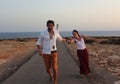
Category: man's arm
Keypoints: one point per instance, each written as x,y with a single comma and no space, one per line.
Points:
39,50
39,43
64,40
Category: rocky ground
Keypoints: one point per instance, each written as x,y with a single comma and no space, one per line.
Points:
106,56
13,53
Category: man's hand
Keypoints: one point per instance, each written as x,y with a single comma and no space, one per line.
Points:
64,40
40,52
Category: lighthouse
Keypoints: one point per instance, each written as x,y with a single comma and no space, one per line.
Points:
57,28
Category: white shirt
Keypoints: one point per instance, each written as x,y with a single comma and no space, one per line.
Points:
80,44
47,43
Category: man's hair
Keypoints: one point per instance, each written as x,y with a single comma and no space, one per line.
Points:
50,21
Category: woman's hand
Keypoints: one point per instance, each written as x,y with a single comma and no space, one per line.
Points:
68,41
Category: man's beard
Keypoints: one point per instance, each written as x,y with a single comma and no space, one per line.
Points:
50,29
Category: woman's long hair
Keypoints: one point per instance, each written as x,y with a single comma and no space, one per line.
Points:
76,32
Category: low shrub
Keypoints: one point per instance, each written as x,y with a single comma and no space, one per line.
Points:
22,40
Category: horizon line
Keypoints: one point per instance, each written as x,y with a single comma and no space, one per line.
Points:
59,31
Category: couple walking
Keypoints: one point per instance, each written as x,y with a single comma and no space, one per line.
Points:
46,45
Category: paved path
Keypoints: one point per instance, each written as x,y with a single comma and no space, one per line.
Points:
33,72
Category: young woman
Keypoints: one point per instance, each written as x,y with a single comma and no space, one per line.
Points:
81,53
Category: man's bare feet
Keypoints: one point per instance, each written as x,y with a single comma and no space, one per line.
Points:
55,79
51,77
55,82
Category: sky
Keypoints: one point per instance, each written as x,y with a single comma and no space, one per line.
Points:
83,15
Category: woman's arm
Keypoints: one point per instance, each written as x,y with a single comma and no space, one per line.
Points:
90,38
71,41
87,37
39,44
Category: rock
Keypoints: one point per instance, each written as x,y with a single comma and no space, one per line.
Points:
116,70
102,61
115,59
117,82
111,69
101,51
94,43
96,59
12,68
2,61
102,65
94,54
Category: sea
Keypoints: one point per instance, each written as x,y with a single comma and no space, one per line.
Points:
12,35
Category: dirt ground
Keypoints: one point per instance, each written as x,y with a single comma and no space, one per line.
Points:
13,53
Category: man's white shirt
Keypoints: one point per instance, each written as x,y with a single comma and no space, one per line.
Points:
48,45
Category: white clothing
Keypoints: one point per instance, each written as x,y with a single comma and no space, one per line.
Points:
80,44
48,44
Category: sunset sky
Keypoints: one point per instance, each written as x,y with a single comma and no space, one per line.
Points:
84,15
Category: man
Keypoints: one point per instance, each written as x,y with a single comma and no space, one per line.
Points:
46,45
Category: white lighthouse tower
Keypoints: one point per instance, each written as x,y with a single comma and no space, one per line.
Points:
57,28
